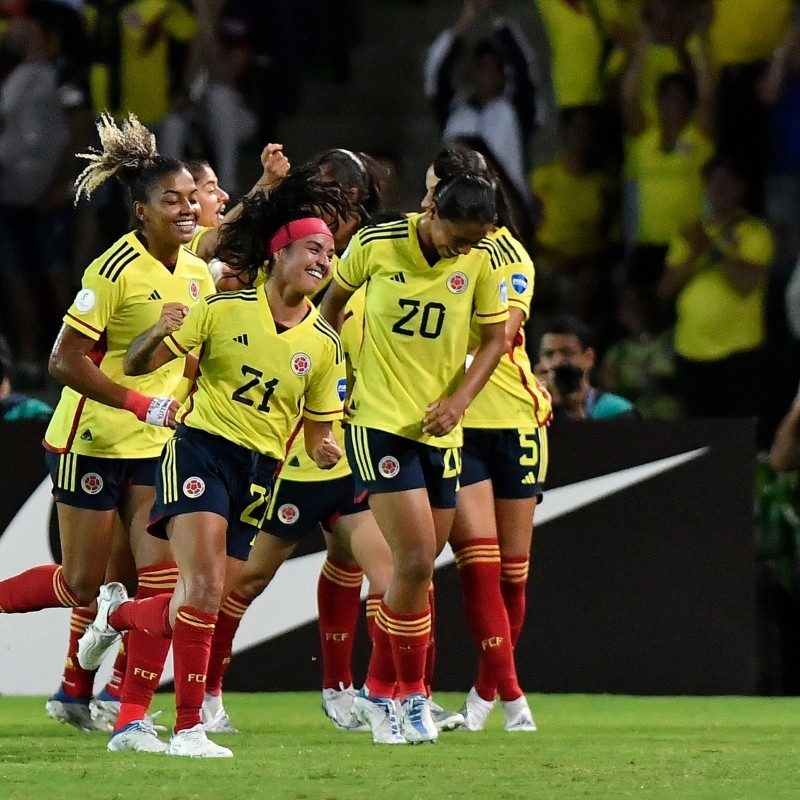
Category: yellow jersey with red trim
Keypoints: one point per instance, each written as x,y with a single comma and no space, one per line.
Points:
298,465
254,382
416,324
122,293
512,397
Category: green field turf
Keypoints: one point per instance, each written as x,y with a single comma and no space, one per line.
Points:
586,747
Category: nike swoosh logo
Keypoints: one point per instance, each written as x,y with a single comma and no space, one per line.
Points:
269,618
42,654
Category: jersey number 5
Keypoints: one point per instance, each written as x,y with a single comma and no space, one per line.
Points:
269,388
430,324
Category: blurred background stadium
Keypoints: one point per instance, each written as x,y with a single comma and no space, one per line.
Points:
615,108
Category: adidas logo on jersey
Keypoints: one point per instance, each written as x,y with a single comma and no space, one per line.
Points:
399,277
242,339
155,295
529,479
86,436
294,461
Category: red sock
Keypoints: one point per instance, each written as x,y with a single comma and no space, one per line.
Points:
478,562
430,655
146,652
338,603
114,685
228,620
76,681
408,634
191,647
373,603
35,589
150,615
381,674
513,583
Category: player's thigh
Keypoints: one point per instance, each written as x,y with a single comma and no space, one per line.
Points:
474,518
515,525
198,542
136,508
121,566
85,536
266,556
406,521
360,535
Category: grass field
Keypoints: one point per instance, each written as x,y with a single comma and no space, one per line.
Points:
586,747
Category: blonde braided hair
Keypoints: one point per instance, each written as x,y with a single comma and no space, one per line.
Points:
126,147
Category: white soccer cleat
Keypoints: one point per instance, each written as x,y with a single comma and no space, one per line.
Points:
475,711
100,636
70,711
379,714
518,715
193,743
105,710
140,736
416,722
445,720
214,717
338,707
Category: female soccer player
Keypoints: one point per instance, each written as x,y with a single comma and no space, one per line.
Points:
108,429
504,461
306,497
425,283
266,356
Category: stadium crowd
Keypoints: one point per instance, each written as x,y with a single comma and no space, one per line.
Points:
664,233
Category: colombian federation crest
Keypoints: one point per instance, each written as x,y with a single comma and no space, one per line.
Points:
457,282
92,483
301,363
194,487
388,466
288,513
194,290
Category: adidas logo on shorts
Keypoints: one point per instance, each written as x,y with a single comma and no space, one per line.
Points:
529,479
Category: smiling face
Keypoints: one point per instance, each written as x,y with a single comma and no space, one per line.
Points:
451,238
169,216
212,198
305,263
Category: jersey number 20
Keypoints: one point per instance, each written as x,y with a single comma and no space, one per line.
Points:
430,324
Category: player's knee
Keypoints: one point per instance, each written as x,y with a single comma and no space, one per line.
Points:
204,592
251,586
415,568
82,584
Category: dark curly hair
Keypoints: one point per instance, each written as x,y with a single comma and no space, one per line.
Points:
244,242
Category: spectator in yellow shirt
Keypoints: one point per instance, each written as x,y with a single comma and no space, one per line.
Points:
717,273
664,159
578,201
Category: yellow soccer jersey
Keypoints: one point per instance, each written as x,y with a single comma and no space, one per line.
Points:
512,397
199,232
416,324
254,383
122,294
298,466
714,319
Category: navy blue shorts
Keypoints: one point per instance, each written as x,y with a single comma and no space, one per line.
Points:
298,508
386,462
96,483
198,471
514,461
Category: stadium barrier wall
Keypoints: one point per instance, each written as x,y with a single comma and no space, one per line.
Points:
642,575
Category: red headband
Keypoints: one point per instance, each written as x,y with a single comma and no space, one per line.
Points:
297,229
